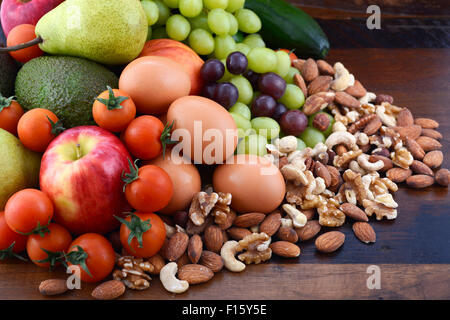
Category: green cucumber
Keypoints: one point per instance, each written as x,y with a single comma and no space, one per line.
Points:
286,26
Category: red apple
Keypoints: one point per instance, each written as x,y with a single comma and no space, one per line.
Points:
15,12
81,173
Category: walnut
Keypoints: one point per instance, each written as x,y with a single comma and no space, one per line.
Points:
256,247
402,158
354,181
222,212
133,272
330,215
379,209
201,206
341,161
295,194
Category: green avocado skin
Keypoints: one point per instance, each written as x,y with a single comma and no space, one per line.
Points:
107,31
65,85
8,72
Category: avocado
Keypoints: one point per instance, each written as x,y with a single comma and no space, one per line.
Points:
8,72
65,85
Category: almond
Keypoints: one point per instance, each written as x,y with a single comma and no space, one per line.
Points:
388,164
364,232
354,212
211,260
271,223
309,213
405,118
413,132
176,246
330,241
157,262
321,170
237,233
434,159
247,220
357,90
309,230
398,175
109,290
287,234
195,273
213,238
346,100
195,248
52,287
426,123
421,168
420,181
428,144
319,84
285,249
298,63
334,174
300,82
309,70
325,68
183,260
373,126
443,177
314,104
415,149
432,134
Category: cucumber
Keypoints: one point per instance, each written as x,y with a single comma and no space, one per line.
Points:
286,26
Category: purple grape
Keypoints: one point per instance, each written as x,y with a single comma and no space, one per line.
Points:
237,63
293,122
272,84
264,106
253,78
226,94
208,90
212,70
280,109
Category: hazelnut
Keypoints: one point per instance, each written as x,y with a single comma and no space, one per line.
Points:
321,121
442,177
384,98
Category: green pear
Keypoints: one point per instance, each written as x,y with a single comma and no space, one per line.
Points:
106,31
19,167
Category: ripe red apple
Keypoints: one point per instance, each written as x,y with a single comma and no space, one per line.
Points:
15,12
81,173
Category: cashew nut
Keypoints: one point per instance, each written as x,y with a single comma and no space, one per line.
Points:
298,218
339,127
170,281
363,161
387,120
293,173
342,78
361,138
229,249
340,137
354,165
287,144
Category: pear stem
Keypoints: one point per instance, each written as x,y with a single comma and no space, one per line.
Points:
28,44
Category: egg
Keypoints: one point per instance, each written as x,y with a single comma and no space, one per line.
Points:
154,83
185,178
207,130
255,184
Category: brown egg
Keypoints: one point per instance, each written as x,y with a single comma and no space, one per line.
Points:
154,83
185,178
206,129
255,183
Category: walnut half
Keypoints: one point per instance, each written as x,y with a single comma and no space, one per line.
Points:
133,272
256,247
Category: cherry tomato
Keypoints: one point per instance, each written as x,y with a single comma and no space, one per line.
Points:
28,211
10,113
291,54
55,242
148,188
94,255
146,137
113,110
37,128
150,227
21,34
11,243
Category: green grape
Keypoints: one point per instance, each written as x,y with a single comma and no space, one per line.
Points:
224,45
235,5
218,22
190,8
244,87
159,33
149,33
289,78
172,3
164,12
293,97
262,60
151,11
200,21
329,129
248,21
283,63
266,127
226,76
178,27
300,144
241,109
312,136
243,48
214,4
201,41
252,144
254,41
242,124
234,26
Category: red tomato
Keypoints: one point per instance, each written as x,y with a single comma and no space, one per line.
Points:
94,255
150,227
291,54
148,188
21,34
56,242
8,237
10,113
28,211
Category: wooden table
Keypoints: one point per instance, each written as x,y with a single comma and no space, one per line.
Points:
412,252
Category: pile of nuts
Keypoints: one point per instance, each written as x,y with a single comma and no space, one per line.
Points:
352,176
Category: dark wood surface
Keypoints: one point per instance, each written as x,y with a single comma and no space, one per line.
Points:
412,251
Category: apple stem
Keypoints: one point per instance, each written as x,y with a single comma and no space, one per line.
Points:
78,151
30,43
